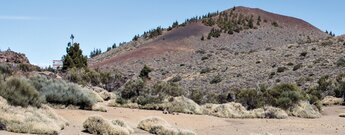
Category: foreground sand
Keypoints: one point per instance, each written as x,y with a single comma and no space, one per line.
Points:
328,124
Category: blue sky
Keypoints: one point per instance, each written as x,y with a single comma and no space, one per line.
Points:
41,28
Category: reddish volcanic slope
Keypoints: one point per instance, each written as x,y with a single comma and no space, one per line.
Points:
185,40
169,42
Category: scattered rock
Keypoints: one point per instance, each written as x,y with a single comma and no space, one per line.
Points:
13,57
342,115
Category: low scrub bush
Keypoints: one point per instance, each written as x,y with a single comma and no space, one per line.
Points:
281,69
216,79
251,98
19,92
133,88
167,89
298,66
275,24
98,125
159,126
30,120
197,96
27,67
108,80
284,95
61,92
341,62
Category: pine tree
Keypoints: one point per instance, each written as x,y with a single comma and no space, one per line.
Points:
108,49
114,45
175,24
202,38
74,56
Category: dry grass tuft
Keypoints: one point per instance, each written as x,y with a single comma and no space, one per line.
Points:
159,126
31,119
183,105
99,107
98,125
305,110
329,100
236,110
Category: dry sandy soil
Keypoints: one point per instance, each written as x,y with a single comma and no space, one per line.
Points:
330,123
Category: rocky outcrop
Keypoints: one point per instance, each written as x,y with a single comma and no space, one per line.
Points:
13,57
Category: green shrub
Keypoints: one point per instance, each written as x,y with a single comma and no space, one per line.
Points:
212,97
216,79
5,68
176,78
327,43
315,97
298,66
340,86
112,80
204,58
282,69
133,88
197,96
326,86
19,92
61,92
167,89
93,77
275,24
76,75
143,100
284,95
107,80
341,62
251,98
303,54
144,73
205,70
27,67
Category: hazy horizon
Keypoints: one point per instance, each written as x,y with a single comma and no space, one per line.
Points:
41,29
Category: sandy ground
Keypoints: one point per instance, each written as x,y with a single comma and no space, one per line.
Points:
328,124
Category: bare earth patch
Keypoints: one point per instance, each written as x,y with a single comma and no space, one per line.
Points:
329,124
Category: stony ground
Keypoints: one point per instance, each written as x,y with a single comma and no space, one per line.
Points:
328,124
243,59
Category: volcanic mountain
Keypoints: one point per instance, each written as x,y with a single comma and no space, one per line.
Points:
237,48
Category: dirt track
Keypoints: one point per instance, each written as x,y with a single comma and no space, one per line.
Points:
330,123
